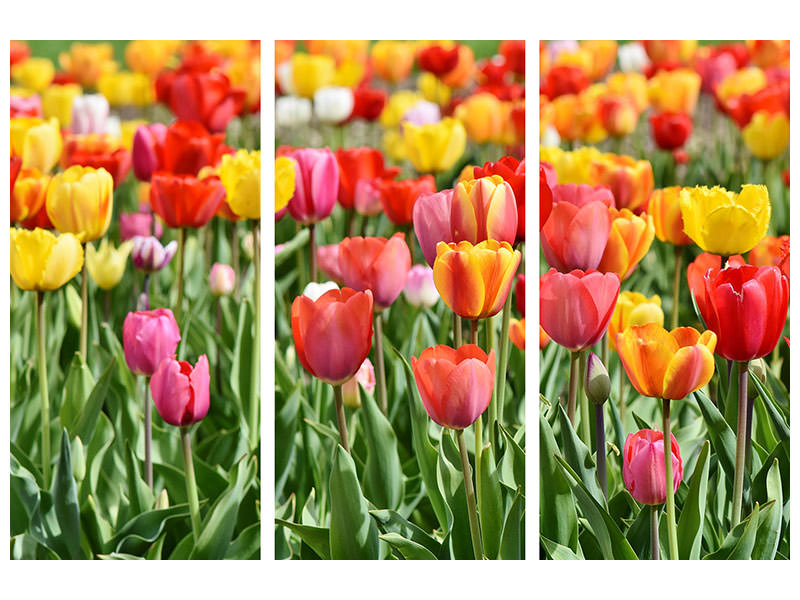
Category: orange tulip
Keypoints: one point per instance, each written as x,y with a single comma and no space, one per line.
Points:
462,74
768,252
667,364
665,208
633,308
630,180
544,339
674,91
29,194
474,281
628,242
516,333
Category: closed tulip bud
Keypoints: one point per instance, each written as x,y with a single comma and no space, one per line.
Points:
724,222
598,384
420,289
162,501
758,368
80,201
333,104
149,255
436,147
665,208
643,466
180,391
474,281
377,264
43,262
364,377
455,384
575,307
247,245
241,175
89,114
149,337
516,333
185,201
221,280
28,194
767,135
78,457
314,290
340,319
630,180
138,223
633,308
666,364
57,103
670,130
148,150
483,209
291,111
628,241
37,141
316,185
107,264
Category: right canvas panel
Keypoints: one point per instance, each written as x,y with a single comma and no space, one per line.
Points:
663,299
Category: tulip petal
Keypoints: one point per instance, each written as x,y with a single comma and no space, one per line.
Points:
690,369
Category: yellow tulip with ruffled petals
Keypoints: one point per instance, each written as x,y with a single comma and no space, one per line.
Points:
37,141
241,175
767,135
633,308
106,264
723,222
80,200
435,147
41,261
34,74
284,181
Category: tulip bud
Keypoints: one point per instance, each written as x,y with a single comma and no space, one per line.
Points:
73,307
162,501
314,290
247,245
106,264
148,144
78,460
598,384
643,466
149,255
759,370
221,280
365,376
420,289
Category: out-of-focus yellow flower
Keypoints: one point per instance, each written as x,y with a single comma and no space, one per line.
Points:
576,117
126,88
57,102
632,85
246,73
35,73
603,53
744,81
674,91
435,147
150,56
433,89
618,114
28,195
573,166
769,53
767,135
633,308
128,130
43,262
349,74
106,264
340,50
284,181
37,141
241,175
80,200
88,62
579,57
393,60
230,48
723,222
311,72
481,115
397,106
546,115
394,145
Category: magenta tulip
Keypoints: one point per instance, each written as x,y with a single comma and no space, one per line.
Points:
149,255
148,337
148,144
316,185
643,466
180,391
138,223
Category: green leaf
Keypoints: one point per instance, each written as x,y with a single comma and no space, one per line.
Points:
136,536
383,475
722,438
769,521
390,521
317,538
139,494
491,503
25,461
65,502
290,247
353,533
240,370
512,464
408,548
578,456
740,541
781,428
512,543
77,388
451,484
558,516
556,551
286,420
692,519
86,422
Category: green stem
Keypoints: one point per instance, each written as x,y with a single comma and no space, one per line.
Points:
604,348
255,356
191,484
181,257
84,310
586,427
43,393
478,425
741,445
457,339
312,250
235,258
601,448
500,381
470,492
380,373
148,434
671,530
676,286
621,377
654,508
489,325
572,399
341,423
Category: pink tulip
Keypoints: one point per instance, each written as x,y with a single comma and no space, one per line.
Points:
316,184
420,289
149,255
148,145
328,262
580,194
367,197
180,391
138,223
431,219
89,114
643,466
221,279
377,264
365,376
148,337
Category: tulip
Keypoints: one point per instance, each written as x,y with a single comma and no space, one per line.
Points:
633,308
642,472
99,152
768,53
28,194
140,223
670,130
629,240
399,104
127,89
474,281
148,338
149,56
241,175
364,377
34,73
376,264
184,201
311,72
37,141
674,91
770,250
291,111
316,185
221,280
208,98
149,255
87,62
544,339
513,173
284,181
435,147
483,209
42,262
148,150
422,113
106,265
420,289
547,181
724,222
399,197
438,59
333,104
431,218
328,259
665,208
462,74
80,201
767,136
480,114
563,80
356,164
630,180
89,114
368,103
632,57
57,102
367,197
314,290
519,290
392,59
618,115
516,333
699,267
188,147
713,67
575,166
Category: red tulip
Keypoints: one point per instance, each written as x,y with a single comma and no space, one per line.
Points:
576,233
97,152
643,466
455,385
333,335
188,147
205,97
514,53
746,307
180,391
513,173
670,130
398,197
183,200
328,262
438,59
699,267
148,337
565,79
376,264
356,164
547,181
575,307
368,103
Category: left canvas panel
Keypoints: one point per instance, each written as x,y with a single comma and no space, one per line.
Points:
134,326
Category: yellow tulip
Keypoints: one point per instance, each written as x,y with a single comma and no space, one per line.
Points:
34,74
433,89
241,175
674,91
80,201
43,262
393,145
284,181
57,102
107,264
435,147
744,81
481,115
349,74
632,85
88,62
767,135
399,103
573,166
149,56
392,59
723,222
246,73
126,89
311,72
633,308
37,141
128,130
